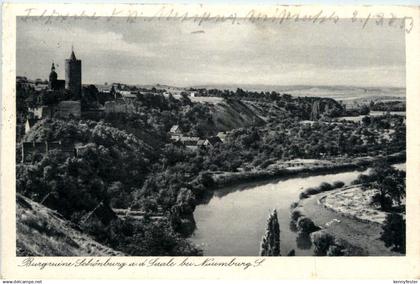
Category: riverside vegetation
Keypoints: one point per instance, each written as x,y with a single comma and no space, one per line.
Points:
129,160
389,188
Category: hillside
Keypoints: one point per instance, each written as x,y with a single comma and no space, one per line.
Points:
43,232
228,115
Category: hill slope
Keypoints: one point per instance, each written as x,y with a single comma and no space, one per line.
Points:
43,232
228,115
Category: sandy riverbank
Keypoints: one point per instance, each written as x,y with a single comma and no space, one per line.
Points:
354,202
364,235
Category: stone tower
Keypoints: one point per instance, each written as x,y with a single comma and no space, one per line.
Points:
74,74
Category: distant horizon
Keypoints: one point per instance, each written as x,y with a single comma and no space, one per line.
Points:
204,85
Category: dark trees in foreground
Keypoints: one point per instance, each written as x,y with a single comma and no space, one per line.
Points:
270,244
393,233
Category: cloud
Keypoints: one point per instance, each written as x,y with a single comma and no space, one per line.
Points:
174,53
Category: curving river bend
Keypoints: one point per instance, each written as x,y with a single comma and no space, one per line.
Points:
233,221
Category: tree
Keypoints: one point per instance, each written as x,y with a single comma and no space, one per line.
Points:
393,233
390,184
270,244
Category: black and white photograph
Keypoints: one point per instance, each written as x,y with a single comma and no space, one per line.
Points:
238,137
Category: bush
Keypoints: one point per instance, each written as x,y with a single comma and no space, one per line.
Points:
335,250
303,195
338,184
322,242
325,186
293,205
296,214
383,201
306,225
312,190
291,253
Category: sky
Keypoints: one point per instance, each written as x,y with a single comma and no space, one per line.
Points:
186,54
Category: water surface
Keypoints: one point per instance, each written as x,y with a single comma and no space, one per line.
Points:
234,220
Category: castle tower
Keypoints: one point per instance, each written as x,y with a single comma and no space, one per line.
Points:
52,83
73,70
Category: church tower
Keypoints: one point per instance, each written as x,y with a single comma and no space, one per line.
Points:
73,70
52,83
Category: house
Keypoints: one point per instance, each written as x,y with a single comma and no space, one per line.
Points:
222,136
175,129
101,212
200,143
40,112
30,122
127,95
64,109
212,141
69,109
189,141
175,132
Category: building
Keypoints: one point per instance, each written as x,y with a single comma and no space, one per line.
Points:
222,136
73,68
190,142
212,141
121,106
32,151
175,130
127,94
53,82
64,109
68,109
30,122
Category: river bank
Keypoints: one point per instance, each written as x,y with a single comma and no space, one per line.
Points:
362,234
330,166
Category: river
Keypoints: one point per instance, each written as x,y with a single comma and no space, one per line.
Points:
233,222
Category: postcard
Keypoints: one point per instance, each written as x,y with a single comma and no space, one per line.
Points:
210,142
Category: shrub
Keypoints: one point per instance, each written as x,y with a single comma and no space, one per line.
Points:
291,253
303,195
312,190
325,186
381,200
335,250
322,241
296,214
306,225
293,205
338,184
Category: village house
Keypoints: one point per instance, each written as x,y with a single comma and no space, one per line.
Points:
189,141
192,142
222,136
212,141
128,95
30,122
175,132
